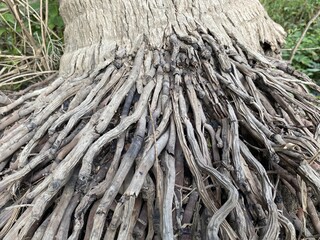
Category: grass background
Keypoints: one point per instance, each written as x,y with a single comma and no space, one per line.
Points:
31,41
31,38
294,15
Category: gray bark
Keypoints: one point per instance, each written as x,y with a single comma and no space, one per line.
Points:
95,28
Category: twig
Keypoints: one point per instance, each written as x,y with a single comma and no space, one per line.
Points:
303,35
302,49
15,12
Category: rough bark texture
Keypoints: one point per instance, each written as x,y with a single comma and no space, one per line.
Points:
169,120
94,29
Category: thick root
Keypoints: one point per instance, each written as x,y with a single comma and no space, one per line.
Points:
189,141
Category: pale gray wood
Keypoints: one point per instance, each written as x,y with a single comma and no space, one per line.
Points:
94,28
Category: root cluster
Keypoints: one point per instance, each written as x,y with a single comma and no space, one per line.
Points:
191,141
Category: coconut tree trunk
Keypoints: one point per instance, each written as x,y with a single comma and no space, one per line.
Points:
97,29
168,120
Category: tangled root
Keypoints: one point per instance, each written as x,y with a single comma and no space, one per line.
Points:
191,140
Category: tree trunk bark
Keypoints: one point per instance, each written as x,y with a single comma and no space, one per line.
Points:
169,120
95,29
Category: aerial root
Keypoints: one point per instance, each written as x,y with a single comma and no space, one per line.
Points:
190,140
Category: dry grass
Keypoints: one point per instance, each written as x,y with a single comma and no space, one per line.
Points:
31,49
